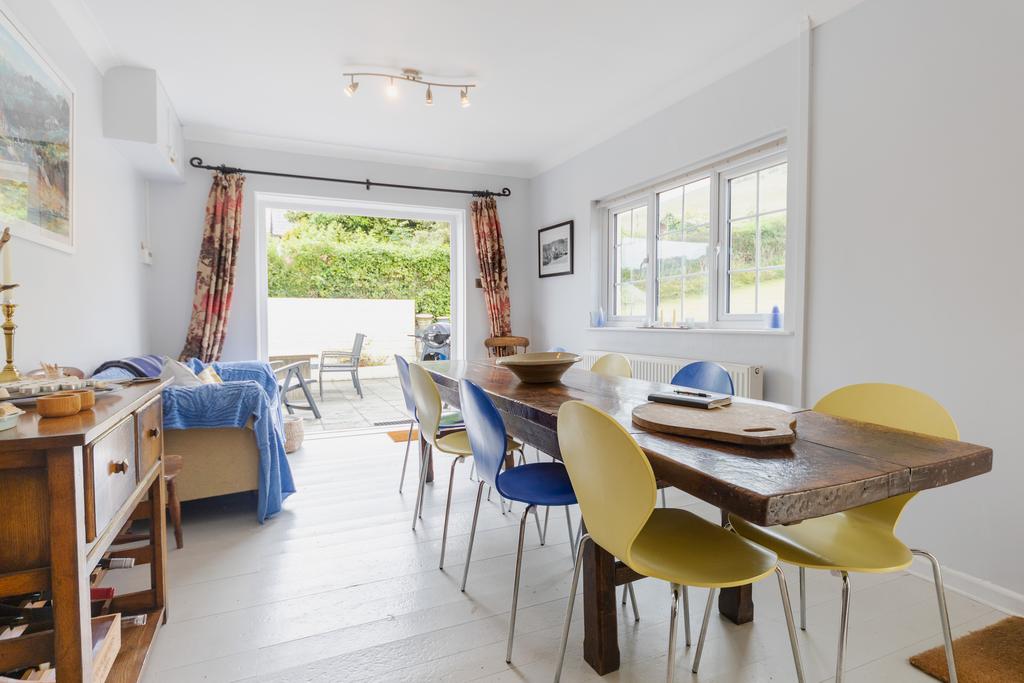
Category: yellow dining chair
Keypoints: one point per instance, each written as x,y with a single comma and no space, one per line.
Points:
617,365
612,365
428,414
616,490
862,539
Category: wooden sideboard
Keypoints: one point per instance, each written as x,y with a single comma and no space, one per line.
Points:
67,487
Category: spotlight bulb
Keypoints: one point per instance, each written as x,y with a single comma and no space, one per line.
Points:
351,88
392,89
430,97
464,97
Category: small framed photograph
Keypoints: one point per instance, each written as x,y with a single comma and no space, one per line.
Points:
554,250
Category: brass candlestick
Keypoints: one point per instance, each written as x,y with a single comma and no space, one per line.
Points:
9,373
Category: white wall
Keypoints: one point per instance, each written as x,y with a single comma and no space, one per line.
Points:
916,240
308,326
177,224
755,102
82,308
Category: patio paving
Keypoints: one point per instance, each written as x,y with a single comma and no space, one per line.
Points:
342,409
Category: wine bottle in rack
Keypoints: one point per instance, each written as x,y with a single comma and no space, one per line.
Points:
117,562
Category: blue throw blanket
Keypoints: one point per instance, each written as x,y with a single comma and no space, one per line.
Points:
249,391
136,366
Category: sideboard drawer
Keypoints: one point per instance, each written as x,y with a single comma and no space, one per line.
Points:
149,432
110,474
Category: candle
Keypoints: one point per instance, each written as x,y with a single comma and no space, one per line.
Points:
8,276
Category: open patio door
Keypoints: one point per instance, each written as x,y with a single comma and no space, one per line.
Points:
330,270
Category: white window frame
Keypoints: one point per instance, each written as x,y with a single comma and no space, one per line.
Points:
722,316
720,171
611,274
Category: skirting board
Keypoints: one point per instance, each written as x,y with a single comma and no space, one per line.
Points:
983,591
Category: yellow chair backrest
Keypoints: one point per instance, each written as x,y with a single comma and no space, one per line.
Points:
428,402
889,405
613,480
612,365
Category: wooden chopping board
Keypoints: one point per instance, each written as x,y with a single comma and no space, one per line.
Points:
740,423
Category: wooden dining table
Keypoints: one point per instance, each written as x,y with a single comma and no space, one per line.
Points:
835,464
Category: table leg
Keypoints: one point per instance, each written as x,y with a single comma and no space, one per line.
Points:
600,636
736,604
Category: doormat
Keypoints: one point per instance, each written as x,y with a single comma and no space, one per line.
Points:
403,435
990,655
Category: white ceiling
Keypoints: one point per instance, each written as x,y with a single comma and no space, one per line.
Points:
555,76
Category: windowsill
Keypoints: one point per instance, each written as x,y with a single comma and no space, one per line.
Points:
694,330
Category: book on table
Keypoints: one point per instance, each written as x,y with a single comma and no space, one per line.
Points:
691,398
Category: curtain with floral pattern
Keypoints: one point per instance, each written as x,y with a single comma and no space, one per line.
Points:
215,272
490,252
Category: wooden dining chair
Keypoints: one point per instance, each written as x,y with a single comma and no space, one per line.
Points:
862,539
498,347
617,490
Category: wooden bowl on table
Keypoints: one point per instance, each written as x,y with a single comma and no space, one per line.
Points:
59,405
542,367
87,396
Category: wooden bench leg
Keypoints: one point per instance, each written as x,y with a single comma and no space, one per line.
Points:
175,506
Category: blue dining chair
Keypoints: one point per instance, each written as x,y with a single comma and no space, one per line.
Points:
448,421
705,375
534,484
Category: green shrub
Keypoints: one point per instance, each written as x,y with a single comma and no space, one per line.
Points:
329,256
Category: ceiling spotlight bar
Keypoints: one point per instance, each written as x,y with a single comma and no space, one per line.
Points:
409,76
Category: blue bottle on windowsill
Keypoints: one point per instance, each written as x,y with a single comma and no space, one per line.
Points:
776,322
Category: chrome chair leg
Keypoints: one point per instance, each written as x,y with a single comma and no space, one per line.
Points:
673,618
664,502
419,489
408,442
632,599
803,599
686,614
844,628
788,609
427,458
704,629
472,535
572,536
568,610
544,536
940,594
448,509
472,471
515,585
536,517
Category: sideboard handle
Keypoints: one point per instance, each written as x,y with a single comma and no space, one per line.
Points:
154,432
119,467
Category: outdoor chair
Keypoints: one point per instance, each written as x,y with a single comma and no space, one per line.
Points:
290,377
342,361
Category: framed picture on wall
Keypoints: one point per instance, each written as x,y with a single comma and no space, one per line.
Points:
554,250
36,128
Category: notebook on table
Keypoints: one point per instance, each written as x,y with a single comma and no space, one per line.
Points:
692,398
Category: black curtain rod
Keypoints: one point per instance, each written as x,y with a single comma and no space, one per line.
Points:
197,162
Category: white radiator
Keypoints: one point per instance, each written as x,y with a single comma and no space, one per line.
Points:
748,380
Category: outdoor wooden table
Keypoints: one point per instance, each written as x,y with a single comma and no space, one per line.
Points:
834,465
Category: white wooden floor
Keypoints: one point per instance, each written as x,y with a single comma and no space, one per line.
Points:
338,588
